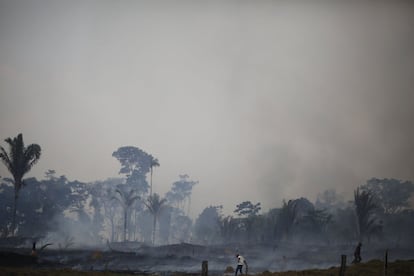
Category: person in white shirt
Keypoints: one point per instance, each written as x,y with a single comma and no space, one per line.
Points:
240,262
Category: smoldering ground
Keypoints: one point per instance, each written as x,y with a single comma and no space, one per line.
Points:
257,101
187,258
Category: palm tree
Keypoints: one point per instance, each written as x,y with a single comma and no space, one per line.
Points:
287,217
155,204
154,163
19,161
365,207
126,199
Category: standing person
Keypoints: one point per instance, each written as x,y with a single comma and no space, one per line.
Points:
34,252
240,262
357,254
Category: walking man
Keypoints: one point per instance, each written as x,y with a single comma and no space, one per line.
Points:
240,262
357,254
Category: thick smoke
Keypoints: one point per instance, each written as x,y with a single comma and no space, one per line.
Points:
270,100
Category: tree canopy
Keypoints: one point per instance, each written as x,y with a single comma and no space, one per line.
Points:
391,195
19,161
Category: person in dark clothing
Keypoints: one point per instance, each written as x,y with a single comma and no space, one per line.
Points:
357,254
34,252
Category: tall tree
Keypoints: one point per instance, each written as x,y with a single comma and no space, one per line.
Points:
155,204
316,222
135,164
286,218
19,160
126,199
246,208
154,163
6,189
391,195
180,191
364,207
249,211
229,227
207,225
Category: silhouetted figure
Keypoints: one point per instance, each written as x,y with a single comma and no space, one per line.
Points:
34,252
240,262
357,254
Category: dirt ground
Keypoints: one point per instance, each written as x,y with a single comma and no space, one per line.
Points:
186,259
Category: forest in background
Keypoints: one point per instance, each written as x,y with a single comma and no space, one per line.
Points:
70,213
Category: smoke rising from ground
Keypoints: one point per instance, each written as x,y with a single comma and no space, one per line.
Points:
256,101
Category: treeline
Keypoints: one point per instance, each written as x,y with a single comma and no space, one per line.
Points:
56,209
119,209
379,212
69,212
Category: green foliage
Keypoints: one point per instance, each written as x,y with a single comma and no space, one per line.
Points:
207,225
19,160
247,208
126,197
286,219
391,195
318,218
155,205
181,190
365,207
132,159
135,164
153,163
41,204
250,218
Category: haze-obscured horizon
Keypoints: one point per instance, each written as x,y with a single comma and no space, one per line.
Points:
259,101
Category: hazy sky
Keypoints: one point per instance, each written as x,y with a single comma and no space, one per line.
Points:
258,100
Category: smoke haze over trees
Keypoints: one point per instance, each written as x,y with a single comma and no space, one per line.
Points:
121,212
272,100
73,213
225,122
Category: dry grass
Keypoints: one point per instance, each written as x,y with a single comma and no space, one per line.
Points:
374,268
12,271
371,268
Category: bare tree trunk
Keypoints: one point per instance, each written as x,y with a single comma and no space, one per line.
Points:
189,206
112,230
135,225
153,229
125,223
13,226
151,183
